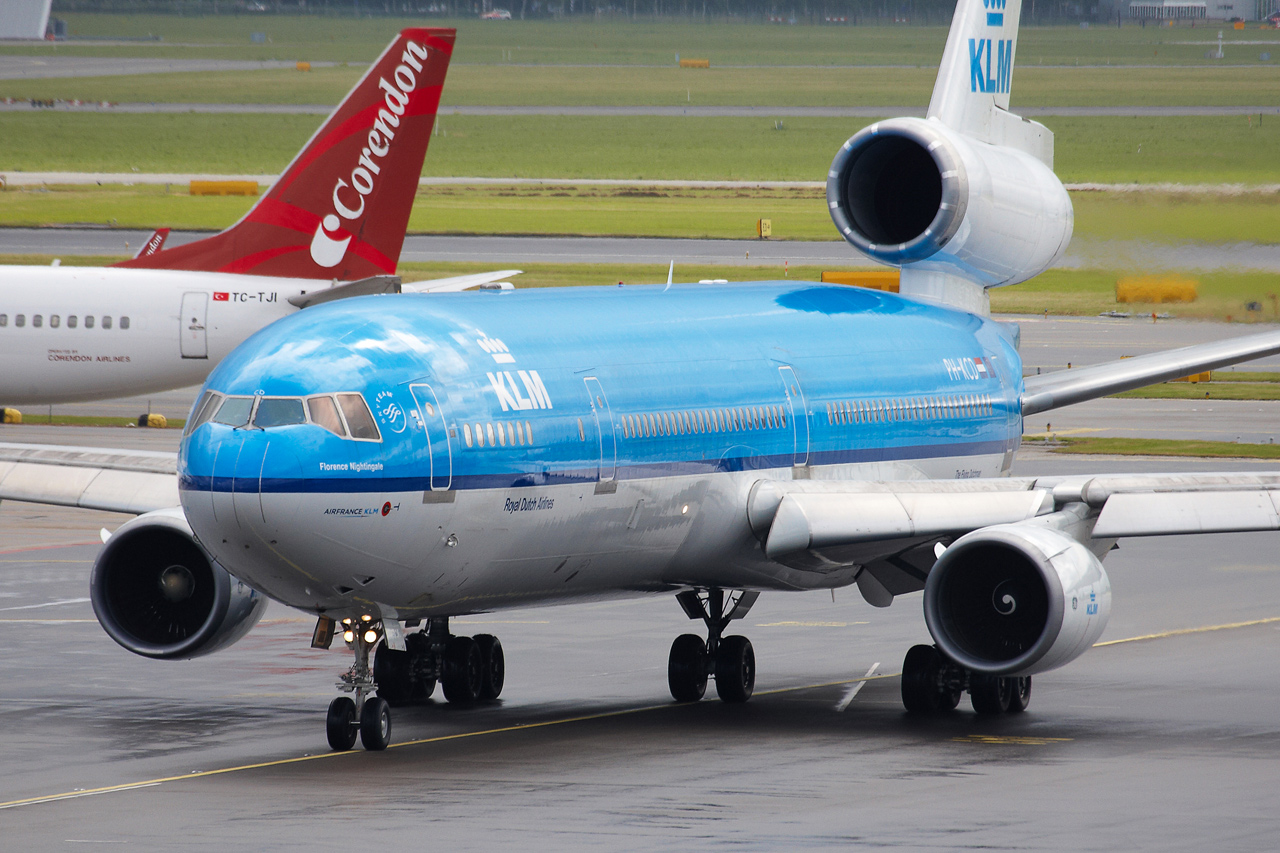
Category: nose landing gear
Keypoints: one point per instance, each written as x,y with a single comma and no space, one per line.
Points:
471,669
730,660
931,683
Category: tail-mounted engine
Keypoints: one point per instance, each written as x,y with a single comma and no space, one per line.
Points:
1016,599
159,594
908,190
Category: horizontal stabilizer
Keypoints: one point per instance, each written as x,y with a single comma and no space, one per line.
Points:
345,290
459,282
1064,387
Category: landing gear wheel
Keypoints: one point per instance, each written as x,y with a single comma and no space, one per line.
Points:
392,670
920,668
687,668
735,670
1020,694
493,666
340,724
421,686
375,724
990,694
463,671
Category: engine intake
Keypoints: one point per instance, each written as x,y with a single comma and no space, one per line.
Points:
909,190
158,594
1016,599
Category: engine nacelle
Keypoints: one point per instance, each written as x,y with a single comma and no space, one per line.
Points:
1016,599
908,190
159,594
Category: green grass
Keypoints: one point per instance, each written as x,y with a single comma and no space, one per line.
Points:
33,416
487,85
1106,149
1159,447
1222,295
620,41
1211,390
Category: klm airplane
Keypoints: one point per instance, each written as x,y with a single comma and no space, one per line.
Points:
389,462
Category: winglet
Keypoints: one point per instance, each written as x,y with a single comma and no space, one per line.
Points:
340,209
976,76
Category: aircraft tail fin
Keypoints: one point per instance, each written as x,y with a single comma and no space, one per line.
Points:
153,244
340,209
975,78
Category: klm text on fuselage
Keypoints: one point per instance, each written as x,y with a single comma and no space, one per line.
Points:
980,79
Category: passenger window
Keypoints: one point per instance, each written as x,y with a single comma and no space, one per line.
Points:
324,414
234,411
54,321
359,420
519,432
106,322
582,436
20,320
201,411
71,321
466,434
502,436
274,412
528,432
4,319
37,320
479,436
124,322
88,321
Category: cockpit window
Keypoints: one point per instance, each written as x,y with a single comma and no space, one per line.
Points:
202,410
234,411
278,411
324,413
359,419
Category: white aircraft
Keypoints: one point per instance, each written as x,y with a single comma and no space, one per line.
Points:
331,226
390,462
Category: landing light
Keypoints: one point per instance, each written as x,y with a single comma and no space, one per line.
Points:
348,636
346,621
370,636
684,510
366,618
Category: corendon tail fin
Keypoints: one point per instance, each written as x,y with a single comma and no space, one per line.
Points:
340,209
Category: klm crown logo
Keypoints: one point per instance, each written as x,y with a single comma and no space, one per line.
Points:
980,79
995,12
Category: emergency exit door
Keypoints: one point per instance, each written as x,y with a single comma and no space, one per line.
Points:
191,325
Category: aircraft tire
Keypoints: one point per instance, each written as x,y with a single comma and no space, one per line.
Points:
393,674
990,694
493,666
340,724
735,670
1020,694
687,668
920,694
375,724
463,671
421,685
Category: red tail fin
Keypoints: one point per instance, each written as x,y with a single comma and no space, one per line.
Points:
339,211
154,243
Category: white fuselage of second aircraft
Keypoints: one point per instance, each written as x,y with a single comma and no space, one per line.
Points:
91,333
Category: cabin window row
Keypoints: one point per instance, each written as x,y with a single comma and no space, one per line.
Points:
498,434
55,321
346,415
909,409
699,421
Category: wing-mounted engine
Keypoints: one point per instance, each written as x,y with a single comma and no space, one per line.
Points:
912,192
1016,599
158,593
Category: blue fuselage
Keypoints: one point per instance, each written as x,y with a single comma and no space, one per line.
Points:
540,445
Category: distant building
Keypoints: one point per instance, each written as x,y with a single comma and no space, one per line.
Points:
24,19
1161,10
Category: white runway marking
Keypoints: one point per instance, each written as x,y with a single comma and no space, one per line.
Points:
47,604
855,687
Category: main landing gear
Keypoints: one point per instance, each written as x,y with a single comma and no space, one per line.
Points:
470,669
931,683
730,660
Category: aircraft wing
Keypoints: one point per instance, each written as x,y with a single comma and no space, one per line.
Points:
132,481
458,282
894,528
1064,387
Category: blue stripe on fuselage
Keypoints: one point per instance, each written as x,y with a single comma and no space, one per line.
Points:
694,348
